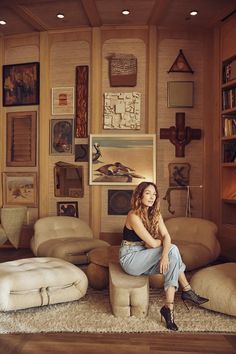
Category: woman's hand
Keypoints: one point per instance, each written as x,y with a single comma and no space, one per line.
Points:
164,263
158,243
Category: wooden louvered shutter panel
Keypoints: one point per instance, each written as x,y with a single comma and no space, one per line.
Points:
21,139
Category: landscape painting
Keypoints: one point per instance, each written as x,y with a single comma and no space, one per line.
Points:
122,159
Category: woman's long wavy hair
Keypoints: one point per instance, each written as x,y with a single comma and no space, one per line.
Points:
150,222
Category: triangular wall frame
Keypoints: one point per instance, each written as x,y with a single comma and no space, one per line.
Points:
181,64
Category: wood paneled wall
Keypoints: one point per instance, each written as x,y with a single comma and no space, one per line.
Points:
156,49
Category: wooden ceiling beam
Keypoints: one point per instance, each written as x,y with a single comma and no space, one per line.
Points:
28,17
159,11
92,13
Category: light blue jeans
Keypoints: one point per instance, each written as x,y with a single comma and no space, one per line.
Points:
139,260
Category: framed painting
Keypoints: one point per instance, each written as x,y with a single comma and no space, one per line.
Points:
119,201
67,209
20,188
21,84
179,174
68,180
122,159
63,100
180,94
61,136
21,138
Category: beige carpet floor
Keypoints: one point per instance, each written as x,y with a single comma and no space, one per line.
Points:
93,314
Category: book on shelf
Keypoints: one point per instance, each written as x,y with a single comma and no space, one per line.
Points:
229,71
230,152
229,127
229,98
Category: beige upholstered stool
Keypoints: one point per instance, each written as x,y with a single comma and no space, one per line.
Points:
42,281
129,295
218,284
97,270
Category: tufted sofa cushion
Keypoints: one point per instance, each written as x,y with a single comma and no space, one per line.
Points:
73,250
36,281
64,237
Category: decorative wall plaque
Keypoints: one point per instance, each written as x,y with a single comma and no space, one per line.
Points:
123,70
122,110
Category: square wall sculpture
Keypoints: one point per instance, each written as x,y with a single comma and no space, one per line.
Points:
122,110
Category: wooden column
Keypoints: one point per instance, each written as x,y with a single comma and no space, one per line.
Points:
44,115
152,79
96,113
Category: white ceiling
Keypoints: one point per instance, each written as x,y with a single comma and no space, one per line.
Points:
24,16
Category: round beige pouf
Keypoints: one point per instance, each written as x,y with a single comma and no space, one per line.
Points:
97,270
218,284
156,281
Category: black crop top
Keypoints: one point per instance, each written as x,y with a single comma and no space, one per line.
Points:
130,235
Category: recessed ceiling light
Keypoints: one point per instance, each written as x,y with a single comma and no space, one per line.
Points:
125,12
60,15
2,22
193,13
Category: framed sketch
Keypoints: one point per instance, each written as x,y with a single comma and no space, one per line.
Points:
20,188
21,84
122,159
67,209
180,94
63,100
179,174
21,138
61,136
119,201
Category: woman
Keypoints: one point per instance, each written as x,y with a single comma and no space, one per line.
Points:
146,249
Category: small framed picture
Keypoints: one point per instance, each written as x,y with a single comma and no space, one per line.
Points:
21,84
180,94
20,188
61,136
63,100
179,174
67,209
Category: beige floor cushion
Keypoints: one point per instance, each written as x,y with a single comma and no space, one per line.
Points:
41,281
218,284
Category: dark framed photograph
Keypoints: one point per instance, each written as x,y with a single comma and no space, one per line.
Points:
61,131
21,84
67,209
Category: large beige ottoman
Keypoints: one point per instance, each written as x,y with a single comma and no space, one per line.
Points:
42,281
218,284
129,295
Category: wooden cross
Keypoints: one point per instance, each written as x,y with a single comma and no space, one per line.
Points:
180,135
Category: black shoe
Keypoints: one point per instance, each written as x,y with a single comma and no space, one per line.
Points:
190,295
168,315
